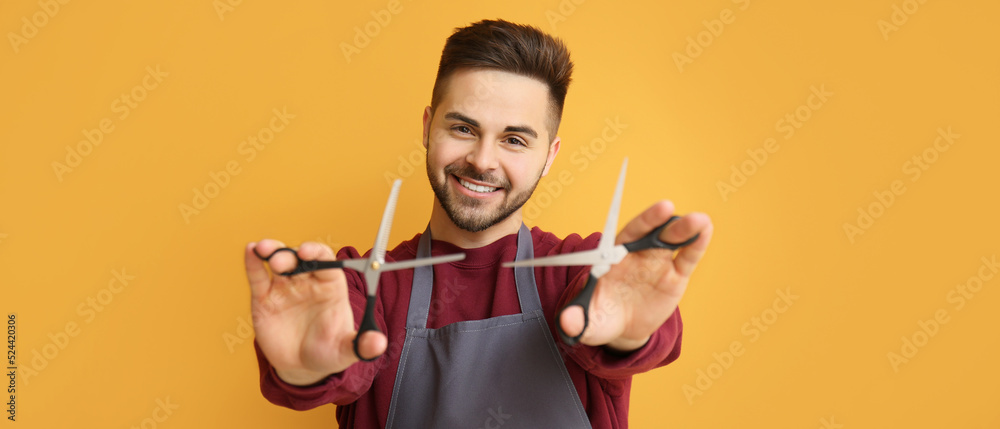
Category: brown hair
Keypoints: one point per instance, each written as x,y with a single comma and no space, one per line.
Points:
509,47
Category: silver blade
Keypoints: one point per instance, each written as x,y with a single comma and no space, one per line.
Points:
373,264
611,224
382,238
358,265
371,279
419,262
583,257
607,243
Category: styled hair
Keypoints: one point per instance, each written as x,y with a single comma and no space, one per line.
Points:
509,47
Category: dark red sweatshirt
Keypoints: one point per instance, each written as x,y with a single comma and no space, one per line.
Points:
471,289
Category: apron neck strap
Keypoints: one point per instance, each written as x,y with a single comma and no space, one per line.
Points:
423,280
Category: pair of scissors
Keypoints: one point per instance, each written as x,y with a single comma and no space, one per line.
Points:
603,257
371,267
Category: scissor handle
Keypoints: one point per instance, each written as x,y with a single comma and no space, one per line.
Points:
583,300
652,240
302,265
367,324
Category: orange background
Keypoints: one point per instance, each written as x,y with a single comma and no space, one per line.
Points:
173,334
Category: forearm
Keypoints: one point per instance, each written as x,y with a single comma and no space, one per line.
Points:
661,348
341,388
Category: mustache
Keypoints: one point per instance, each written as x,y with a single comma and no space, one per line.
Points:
466,170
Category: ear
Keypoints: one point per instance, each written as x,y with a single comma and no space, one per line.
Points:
428,115
551,156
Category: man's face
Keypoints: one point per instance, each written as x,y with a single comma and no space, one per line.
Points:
488,144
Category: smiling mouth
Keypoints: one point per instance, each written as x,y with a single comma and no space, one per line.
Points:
474,187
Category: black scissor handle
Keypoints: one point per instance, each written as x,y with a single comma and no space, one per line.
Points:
652,240
367,324
583,300
301,265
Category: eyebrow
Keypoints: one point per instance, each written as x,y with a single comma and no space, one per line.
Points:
510,128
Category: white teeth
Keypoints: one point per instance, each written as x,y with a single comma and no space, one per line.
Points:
476,188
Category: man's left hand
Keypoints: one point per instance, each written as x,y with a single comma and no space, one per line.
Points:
639,293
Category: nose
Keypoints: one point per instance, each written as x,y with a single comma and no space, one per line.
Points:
483,156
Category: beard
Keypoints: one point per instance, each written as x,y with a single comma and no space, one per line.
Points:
471,214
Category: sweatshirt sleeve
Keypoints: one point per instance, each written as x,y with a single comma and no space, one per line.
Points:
341,388
663,347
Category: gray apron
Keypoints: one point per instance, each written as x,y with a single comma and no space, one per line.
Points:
499,372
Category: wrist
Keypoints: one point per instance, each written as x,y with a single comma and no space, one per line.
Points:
626,345
300,378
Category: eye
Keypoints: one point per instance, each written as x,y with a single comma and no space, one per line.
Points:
515,141
462,129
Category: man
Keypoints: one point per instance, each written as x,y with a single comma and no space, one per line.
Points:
469,343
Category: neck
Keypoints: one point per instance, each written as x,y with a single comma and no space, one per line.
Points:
442,228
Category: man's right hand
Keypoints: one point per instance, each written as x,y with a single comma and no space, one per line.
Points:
304,323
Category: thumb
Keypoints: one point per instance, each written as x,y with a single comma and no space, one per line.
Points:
257,275
371,344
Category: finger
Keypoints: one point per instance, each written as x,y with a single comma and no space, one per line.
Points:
313,251
683,229
279,262
257,275
687,258
641,225
571,320
371,344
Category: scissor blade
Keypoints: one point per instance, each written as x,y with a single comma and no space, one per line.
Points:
583,257
382,238
358,265
611,224
371,280
419,262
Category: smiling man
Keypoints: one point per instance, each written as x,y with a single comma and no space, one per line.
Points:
468,343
